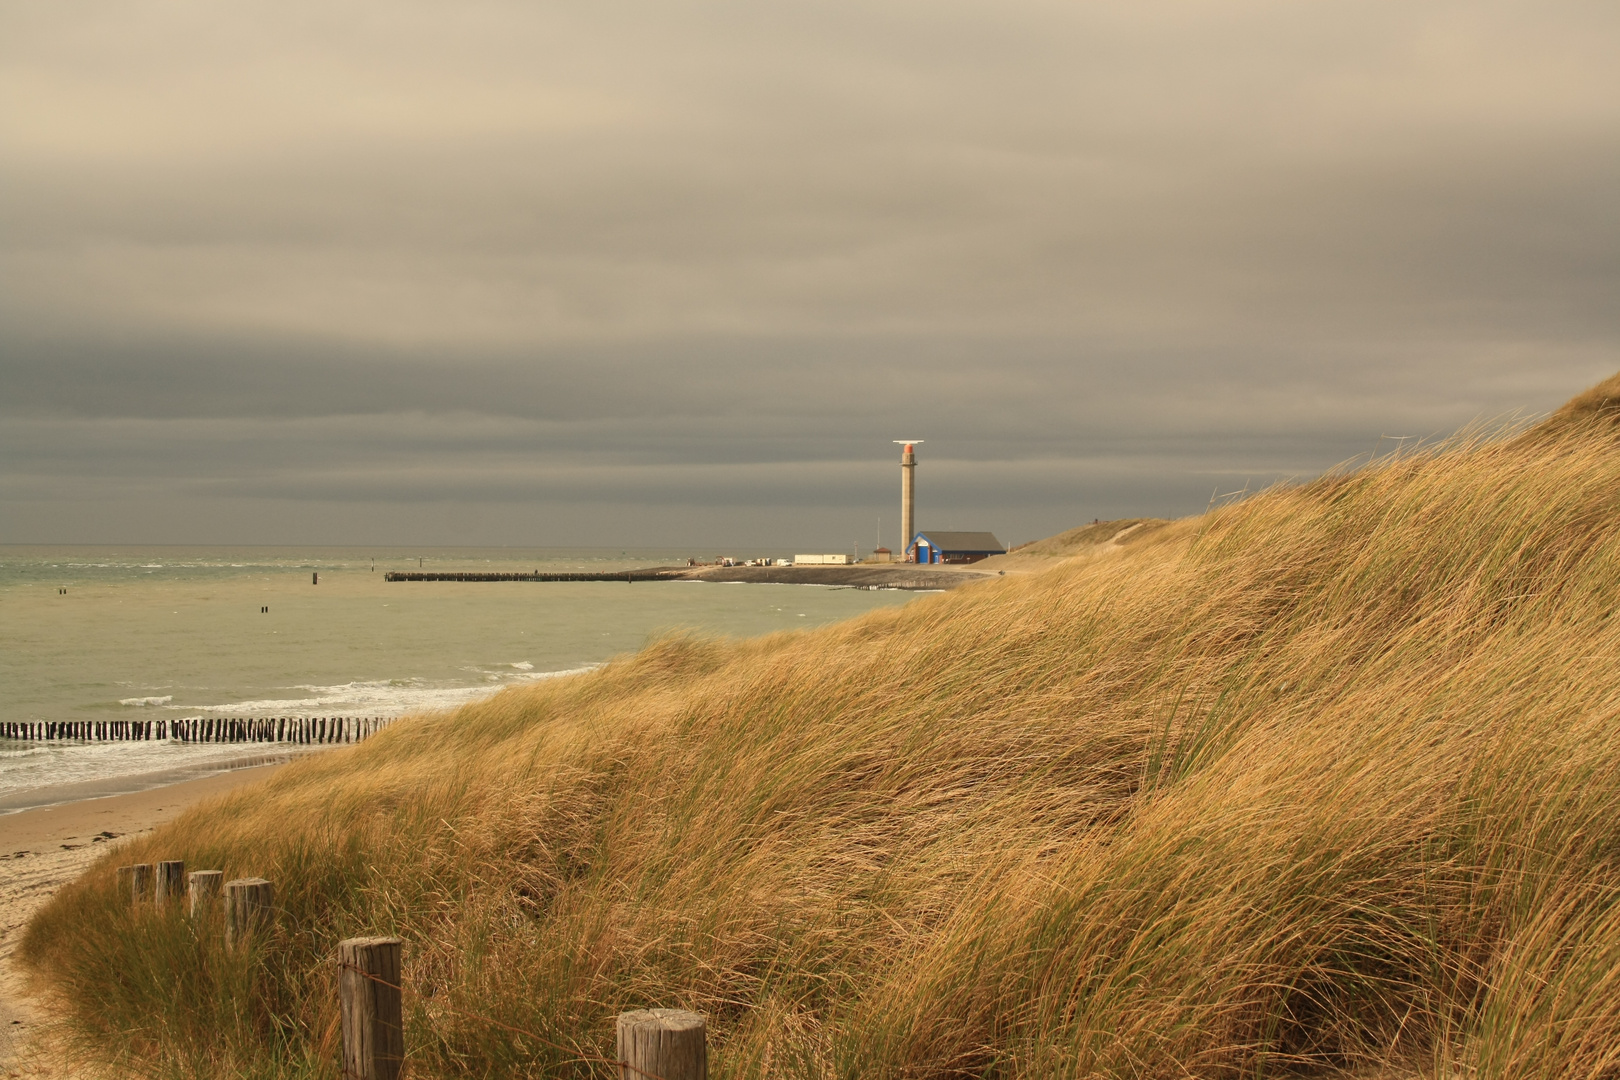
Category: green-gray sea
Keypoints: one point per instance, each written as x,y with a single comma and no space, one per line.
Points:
95,633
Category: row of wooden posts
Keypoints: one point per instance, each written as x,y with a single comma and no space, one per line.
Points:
249,902
652,1044
311,730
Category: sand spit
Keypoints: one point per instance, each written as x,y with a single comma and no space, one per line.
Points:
859,576
901,576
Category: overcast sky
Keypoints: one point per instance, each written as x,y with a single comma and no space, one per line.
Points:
650,272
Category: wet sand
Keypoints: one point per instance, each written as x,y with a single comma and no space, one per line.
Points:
42,849
56,795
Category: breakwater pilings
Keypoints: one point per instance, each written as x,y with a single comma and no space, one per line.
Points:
300,730
657,573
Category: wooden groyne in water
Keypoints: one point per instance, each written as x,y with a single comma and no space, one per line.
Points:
302,730
657,573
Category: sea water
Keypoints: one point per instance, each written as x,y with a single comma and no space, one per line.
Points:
173,633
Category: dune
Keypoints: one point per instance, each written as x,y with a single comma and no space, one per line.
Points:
1322,783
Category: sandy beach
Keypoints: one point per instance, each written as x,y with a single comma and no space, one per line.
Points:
40,850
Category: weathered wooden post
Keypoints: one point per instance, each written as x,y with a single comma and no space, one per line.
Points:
171,881
668,1043
373,1019
249,908
140,883
204,887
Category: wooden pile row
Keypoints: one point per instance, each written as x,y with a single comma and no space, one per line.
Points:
306,730
657,573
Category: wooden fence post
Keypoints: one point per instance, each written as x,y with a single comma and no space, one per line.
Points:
667,1043
140,882
171,881
373,1019
249,907
204,887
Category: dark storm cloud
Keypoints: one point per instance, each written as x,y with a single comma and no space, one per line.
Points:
683,269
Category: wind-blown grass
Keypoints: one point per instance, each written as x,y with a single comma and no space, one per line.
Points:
1324,782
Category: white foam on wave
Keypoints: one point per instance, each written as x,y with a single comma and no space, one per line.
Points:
375,698
140,702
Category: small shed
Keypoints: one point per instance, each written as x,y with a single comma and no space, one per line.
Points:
954,547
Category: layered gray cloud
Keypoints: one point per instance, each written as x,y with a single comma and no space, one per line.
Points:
671,273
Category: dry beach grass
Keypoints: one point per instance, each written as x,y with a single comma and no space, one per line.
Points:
1326,782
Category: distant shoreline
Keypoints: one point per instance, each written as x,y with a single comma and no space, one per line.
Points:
867,576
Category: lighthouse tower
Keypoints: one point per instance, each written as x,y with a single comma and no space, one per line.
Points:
908,496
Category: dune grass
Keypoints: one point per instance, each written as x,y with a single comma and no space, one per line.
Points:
1079,540
1326,782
